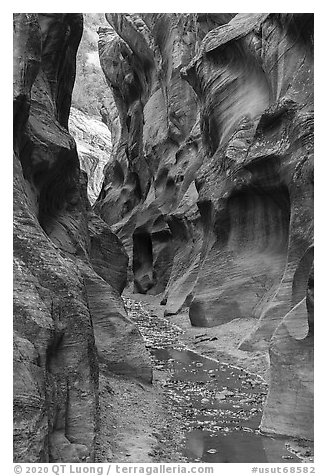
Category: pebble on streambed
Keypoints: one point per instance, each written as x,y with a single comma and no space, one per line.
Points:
195,387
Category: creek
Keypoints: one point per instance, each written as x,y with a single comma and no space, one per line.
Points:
218,405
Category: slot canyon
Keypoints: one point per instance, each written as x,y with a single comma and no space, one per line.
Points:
163,240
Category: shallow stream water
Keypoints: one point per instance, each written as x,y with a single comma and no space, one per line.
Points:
219,406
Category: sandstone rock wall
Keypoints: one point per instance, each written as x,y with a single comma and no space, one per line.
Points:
69,268
210,186
93,141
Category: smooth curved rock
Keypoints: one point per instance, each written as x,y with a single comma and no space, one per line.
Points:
211,182
149,184
93,142
58,244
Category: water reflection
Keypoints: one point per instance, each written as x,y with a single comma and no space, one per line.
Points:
221,406
218,406
236,447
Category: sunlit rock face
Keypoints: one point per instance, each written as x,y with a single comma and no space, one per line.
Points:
210,186
63,256
93,143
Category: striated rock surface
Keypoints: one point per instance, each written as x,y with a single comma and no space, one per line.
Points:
210,186
93,142
63,256
149,185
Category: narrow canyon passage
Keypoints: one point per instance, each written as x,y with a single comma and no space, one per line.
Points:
217,405
163,237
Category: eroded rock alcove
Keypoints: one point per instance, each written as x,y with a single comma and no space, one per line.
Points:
207,201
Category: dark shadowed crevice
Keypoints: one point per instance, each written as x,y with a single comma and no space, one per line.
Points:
178,228
118,174
206,211
142,261
310,300
59,189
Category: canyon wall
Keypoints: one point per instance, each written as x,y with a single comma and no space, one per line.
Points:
210,185
69,268
93,143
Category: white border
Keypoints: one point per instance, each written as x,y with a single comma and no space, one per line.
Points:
320,186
